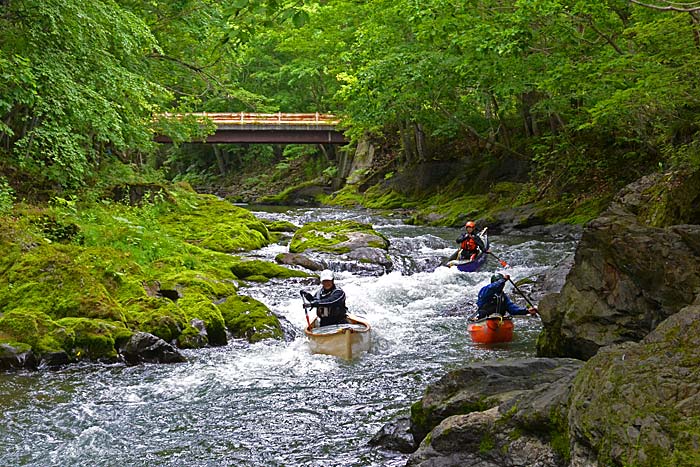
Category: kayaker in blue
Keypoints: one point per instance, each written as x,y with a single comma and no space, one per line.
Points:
329,301
492,299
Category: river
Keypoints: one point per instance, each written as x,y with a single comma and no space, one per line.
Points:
274,403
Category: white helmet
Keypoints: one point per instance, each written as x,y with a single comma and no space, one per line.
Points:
326,275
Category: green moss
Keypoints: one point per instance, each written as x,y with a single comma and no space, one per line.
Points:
346,196
114,269
487,443
559,436
15,348
389,199
217,225
186,281
280,226
200,307
329,236
33,328
248,318
284,196
49,279
158,316
94,338
261,271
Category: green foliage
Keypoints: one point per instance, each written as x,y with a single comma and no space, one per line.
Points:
6,197
73,86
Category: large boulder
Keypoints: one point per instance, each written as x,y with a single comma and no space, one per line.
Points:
496,413
639,403
635,266
484,385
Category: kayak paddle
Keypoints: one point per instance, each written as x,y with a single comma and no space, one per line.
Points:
503,263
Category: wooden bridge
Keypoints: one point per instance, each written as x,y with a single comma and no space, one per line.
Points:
277,128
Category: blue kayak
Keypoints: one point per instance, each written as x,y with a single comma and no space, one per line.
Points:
475,264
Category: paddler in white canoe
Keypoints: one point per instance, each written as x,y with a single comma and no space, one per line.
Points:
334,331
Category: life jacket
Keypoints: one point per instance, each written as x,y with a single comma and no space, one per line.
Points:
469,244
495,305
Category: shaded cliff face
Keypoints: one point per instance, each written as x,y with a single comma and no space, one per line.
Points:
636,265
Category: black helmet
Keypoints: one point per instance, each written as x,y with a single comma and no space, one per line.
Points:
496,277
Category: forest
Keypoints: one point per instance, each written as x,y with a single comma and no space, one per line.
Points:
586,95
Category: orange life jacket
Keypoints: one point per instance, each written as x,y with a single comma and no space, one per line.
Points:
469,244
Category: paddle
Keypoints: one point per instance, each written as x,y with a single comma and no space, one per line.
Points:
522,293
303,299
503,263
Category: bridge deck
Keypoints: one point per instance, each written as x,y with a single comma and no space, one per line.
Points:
275,128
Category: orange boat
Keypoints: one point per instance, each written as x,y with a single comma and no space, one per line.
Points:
491,330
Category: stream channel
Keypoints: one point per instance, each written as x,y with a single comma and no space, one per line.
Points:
274,403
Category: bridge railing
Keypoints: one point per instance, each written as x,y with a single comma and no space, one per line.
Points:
251,118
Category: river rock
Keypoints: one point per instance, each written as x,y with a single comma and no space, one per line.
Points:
18,356
298,259
639,403
143,347
495,414
369,255
636,265
484,385
479,439
395,436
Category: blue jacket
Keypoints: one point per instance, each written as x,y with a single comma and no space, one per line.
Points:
492,300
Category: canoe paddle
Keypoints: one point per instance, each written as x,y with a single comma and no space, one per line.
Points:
503,263
303,299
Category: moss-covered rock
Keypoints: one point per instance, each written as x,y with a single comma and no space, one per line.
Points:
200,307
35,329
217,225
187,281
95,339
339,236
637,403
627,276
50,279
250,319
280,226
156,315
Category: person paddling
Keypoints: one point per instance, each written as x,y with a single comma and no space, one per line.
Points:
470,243
492,299
329,301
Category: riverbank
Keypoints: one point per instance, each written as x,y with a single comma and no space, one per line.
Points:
81,278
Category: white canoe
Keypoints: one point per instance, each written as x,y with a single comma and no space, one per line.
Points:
341,340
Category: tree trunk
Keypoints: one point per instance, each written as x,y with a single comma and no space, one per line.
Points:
220,160
408,142
421,150
527,101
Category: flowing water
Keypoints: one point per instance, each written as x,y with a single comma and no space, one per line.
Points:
275,403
